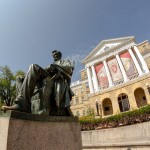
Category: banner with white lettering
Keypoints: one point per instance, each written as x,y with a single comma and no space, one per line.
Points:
128,64
101,75
114,70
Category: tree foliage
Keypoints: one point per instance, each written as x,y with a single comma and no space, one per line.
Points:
90,112
7,85
19,72
123,119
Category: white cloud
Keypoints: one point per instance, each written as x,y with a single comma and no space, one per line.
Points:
77,58
81,55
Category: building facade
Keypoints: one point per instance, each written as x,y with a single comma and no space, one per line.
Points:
116,78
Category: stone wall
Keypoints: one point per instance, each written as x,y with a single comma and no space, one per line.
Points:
22,131
134,137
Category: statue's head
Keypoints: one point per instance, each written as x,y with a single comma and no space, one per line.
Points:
56,55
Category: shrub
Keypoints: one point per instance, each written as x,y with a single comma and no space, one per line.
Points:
122,119
90,112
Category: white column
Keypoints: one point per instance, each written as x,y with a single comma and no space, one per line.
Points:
108,74
144,65
122,68
135,62
95,82
90,80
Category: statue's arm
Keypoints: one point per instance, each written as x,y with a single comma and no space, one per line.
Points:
65,68
51,69
68,66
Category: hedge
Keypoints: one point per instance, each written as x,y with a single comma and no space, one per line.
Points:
122,119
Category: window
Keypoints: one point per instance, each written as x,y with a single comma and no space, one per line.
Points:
82,98
87,85
144,98
85,75
123,102
77,101
106,108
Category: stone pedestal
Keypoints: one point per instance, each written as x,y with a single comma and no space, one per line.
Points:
22,131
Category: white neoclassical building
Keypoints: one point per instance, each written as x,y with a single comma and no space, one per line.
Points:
114,62
116,71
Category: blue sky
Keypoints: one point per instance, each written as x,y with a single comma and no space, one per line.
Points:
31,29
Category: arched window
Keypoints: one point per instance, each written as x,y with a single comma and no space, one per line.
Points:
107,107
123,102
140,97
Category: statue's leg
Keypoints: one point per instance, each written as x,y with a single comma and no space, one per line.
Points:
46,95
23,101
33,76
19,81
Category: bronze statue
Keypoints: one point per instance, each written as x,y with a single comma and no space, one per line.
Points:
54,81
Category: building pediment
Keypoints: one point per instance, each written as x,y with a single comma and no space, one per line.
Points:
107,45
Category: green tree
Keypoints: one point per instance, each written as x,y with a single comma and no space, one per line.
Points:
7,85
90,112
19,72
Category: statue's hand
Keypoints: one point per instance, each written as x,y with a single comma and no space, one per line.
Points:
52,65
53,69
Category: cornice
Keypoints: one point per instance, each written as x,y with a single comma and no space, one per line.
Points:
76,83
146,55
82,70
102,43
111,52
142,42
76,86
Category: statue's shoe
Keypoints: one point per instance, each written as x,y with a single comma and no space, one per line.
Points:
43,112
14,107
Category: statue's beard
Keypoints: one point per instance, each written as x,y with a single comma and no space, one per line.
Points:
56,59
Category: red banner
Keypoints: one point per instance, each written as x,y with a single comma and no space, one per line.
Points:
128,64
114,70
101,75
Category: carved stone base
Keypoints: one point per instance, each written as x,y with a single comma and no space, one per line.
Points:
38,132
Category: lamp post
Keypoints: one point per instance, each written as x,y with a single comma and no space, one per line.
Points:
148,87
97,107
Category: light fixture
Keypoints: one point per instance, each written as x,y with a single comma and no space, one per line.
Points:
97,107
148,87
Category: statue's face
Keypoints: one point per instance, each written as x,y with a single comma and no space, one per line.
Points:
56,56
